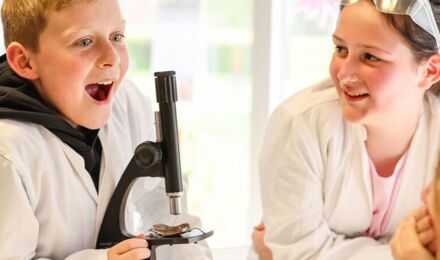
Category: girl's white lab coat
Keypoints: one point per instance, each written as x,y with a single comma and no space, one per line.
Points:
316,186
49,208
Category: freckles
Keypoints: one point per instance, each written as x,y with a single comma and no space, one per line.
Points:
125,61
76,70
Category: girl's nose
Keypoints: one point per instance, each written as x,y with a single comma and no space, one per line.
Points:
349,78
348,72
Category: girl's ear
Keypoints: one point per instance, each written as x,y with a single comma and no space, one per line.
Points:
432,73
20,60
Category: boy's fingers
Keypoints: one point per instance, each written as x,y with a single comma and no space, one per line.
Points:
432,247
129,244
141,236
408,227
408,235
419,213
137,254
427,236
424,224
406,243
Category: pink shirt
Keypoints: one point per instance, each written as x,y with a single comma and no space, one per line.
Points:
384,195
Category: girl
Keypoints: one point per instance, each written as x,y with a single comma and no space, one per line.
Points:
343,161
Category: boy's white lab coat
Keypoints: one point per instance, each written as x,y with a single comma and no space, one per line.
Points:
49,208
316,186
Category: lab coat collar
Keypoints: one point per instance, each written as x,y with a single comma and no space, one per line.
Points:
421,161
77,163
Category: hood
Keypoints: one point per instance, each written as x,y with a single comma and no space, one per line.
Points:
19,100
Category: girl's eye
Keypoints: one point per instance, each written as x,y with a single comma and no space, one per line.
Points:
84,42
370,57
117,37
341,51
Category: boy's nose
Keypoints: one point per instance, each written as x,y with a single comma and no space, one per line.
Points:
109,56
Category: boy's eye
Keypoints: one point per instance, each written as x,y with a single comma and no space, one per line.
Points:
117,37
84,42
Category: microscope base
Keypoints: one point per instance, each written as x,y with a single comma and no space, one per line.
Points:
192,236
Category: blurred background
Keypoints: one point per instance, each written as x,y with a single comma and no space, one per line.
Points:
235,61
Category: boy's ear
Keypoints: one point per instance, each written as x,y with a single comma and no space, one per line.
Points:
20,60
432,73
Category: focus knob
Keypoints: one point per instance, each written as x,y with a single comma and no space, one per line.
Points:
147,154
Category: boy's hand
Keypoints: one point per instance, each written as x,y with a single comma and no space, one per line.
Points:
432,246
130,249
425,228
406,242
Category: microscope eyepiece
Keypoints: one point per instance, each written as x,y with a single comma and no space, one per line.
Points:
166,90
166,94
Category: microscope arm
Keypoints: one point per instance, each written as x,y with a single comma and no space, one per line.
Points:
113,225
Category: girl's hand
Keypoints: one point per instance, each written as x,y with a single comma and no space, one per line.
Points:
406,243
130,249
260,248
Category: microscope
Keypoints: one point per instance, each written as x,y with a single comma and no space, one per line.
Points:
153,159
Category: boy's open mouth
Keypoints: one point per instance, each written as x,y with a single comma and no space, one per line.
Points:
99,91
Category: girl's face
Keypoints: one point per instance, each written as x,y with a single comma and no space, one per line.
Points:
374,71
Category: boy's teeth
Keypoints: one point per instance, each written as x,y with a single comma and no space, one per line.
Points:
105,83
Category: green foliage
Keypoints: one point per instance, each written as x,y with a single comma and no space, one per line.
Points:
236,13
140,50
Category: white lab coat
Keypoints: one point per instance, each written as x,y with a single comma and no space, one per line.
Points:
49,208
316,185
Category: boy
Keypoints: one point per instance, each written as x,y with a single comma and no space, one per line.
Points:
69,125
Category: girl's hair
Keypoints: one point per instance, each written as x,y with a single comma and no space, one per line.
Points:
421,43
24,20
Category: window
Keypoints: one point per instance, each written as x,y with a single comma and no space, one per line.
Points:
311,23
208,43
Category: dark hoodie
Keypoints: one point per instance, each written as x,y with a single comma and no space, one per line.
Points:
19,100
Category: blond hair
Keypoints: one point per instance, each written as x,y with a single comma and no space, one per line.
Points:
24,20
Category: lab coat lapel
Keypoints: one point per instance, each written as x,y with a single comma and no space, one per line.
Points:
350,193
362,192
418,170
361,133
107,178
111,170
77,163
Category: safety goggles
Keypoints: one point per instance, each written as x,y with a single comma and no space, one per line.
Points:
420,12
